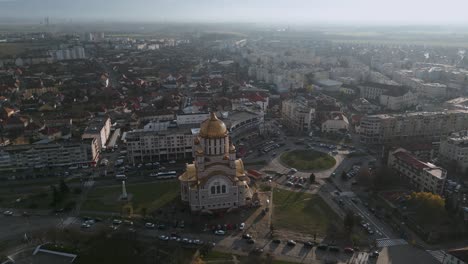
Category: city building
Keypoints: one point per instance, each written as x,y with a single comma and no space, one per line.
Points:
98,128
297,114
160,141
336,122
453,150
243,124
423,176
216,180
49,154
410,127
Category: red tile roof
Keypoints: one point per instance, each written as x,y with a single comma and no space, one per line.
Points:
410,160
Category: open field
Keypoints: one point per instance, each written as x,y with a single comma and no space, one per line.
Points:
307,160
144,195
301,212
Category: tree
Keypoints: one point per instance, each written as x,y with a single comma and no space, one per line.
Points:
55,196
63,187
429,208
344,176
143,212
349,221
312,178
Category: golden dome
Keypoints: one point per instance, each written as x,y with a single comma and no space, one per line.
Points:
213,127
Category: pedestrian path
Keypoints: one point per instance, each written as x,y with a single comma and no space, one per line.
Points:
437,254
386,242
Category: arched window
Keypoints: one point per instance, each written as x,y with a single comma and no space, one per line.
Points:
218,189
213,190
223,188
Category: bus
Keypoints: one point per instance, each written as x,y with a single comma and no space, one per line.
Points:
166,175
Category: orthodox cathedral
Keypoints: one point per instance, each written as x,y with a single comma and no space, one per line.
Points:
216,180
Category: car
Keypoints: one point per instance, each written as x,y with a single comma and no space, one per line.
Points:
185,240
116,222
8,213
276,241
370,231
182,224
85,225
374,254
322,246
247,236
291,243
172,162
250,241
220,232
292,170
334,249
197,242
258,250
163,238
149,225
309,244
288,183
25,214
298,185
348,250
242,226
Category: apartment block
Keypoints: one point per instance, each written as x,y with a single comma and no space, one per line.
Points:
297,114
410,127
423,176
51,154
454,150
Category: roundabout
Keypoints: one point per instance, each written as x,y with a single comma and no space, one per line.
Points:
307,160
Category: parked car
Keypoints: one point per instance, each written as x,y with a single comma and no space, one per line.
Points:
334,249
163,238
309,244
247,236
348,250
291,243
242,226
322,246
8,213
149,225
276,241
251,241
220,232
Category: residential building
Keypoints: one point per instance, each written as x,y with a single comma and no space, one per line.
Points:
297,114
410,127
336,122
243,124
49,154
364,106
216,180
160,142
98,128
398,100
423,176
453,150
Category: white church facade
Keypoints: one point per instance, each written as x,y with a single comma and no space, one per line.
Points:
216,180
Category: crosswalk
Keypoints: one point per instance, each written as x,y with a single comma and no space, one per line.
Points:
437,254
386,242
359,258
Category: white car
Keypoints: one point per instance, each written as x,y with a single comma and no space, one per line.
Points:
220,232
163,238
149,225
242,226
116,222
8,213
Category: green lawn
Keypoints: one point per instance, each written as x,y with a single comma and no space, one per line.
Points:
301,212
144,195
307,160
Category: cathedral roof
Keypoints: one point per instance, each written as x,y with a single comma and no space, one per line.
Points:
213,127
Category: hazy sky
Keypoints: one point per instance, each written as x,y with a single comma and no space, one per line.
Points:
440,12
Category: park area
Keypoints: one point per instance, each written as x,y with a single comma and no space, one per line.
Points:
149,196
302,212
307,160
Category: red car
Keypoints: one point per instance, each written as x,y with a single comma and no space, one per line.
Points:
349,250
